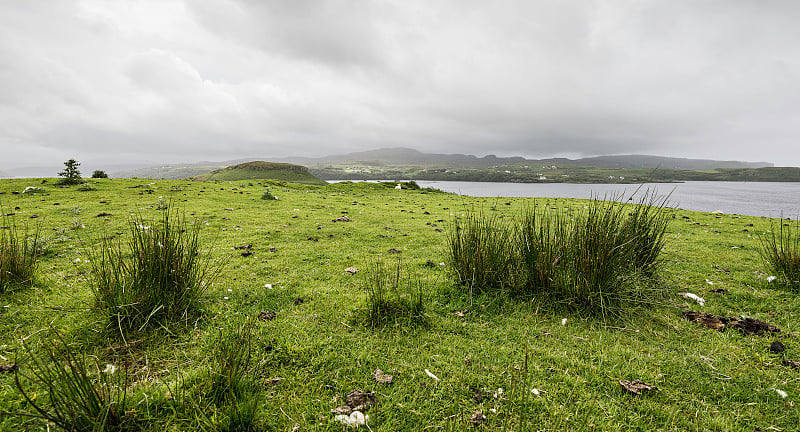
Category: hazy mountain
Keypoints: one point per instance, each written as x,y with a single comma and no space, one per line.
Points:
406,157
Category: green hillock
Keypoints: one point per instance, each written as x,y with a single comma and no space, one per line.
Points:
262,170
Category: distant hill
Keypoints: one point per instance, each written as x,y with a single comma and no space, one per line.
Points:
262,170
411,157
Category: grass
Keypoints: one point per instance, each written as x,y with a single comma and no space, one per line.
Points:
18,254
780,250
306,360
392,297
159,279
601,259
82,394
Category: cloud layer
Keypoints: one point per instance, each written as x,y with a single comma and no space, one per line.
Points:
174,80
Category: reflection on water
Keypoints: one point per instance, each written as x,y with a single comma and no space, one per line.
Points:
754,199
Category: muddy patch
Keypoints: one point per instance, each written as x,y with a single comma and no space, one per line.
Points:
748,326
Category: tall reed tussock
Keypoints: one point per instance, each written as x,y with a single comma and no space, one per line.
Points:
158,279
18,255
780,250
81,393
598,259
392,297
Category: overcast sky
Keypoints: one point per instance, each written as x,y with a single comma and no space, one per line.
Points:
171,80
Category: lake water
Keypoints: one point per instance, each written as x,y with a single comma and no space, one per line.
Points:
753,199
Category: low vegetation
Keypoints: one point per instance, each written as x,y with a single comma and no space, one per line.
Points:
301,328
780,250
18,254
157,280
601,258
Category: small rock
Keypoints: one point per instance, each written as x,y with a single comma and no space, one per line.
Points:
393,250
477,417
228,209
360,400
246,253
382,377
460,313
245,246
342,219
720,291
637,387
273,249
777,347
267,316
342,410
104,214
351,270
791,363
5,368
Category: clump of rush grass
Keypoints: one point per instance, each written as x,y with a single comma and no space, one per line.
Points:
480,252
392,298
81,393
18,255
158,279
598,259
780,250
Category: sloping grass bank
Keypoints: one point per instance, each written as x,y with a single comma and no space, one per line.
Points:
284,294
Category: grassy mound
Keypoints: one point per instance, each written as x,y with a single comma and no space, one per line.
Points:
260,170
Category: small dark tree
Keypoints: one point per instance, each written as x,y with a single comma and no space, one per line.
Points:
71,175
99,174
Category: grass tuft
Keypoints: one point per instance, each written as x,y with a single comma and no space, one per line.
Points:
18,257
82,394
159,279
780,250
392,298
598,259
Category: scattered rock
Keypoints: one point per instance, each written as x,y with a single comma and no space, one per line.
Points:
430,263
34,216
689,296
228,209
382,377
351,270
720,291
267,316
360,400
246,246
246,253
273,249
460,313
637,387
477,417
709,320
272,381
477,395
342,219
104,214
5,368
314,238
791,363
356,418
777,347
393,250
342,410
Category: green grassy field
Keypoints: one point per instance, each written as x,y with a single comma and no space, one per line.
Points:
512,359
262,170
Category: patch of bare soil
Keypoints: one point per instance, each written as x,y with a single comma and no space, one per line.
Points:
748,326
